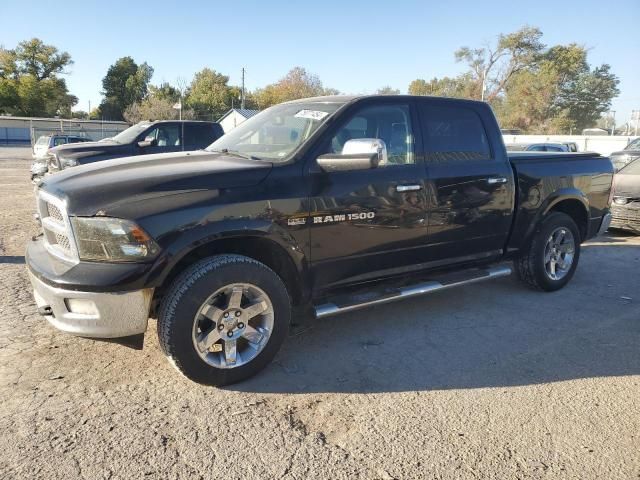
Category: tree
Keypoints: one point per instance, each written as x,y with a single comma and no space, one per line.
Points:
530,87
388,90
297,83
459,87
41,61
209,94
80,114
588,96
493,67
165,91
157,106
559,94
125,83
29,80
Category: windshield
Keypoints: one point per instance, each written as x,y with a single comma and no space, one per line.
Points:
131,133
275,133
635,145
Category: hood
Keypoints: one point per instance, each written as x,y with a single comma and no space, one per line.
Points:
627,185
85,149
105,186
631,153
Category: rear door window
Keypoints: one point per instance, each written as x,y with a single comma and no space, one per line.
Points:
197,135
453,133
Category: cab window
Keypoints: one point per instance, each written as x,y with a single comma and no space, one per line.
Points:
389,123
453,133
166,135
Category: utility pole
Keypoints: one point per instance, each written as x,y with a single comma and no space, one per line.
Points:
242,93
89,112
613,128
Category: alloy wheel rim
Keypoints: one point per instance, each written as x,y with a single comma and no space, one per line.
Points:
233,325
559,253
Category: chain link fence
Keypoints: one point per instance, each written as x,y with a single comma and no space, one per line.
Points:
90,134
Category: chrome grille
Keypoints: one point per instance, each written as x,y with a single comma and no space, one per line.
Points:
63,242
54,212
58,238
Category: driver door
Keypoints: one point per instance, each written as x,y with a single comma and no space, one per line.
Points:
367,223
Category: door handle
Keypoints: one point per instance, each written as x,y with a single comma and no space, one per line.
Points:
408,188
496,180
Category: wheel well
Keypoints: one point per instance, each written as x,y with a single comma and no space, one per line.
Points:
576,210
260,249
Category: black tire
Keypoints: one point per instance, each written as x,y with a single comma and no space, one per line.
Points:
188,293
530,264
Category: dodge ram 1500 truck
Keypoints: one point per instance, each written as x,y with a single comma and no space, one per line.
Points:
322,205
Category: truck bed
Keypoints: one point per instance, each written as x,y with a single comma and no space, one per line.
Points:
544,177
517,156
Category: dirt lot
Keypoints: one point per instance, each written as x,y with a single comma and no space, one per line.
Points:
488,381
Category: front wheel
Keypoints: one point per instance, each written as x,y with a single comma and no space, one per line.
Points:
224,319
551,258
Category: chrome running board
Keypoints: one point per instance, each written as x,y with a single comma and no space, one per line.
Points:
336,306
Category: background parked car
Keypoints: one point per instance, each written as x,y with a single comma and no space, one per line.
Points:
45,142
41,151
629,154
141,139
625,209
542,147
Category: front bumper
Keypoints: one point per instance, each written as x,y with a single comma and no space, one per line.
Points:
93,314
626,216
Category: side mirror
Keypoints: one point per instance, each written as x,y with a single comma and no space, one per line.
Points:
148,142
358,154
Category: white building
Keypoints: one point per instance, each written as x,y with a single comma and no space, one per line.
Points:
235,117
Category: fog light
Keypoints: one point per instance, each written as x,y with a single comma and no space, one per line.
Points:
81,306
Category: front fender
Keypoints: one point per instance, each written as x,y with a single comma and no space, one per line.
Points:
231,230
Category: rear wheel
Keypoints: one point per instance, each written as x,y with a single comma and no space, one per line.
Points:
552,256
224,319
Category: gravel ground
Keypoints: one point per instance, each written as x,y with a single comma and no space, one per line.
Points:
488,381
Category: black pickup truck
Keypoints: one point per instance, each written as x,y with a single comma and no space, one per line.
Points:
320,206
143,138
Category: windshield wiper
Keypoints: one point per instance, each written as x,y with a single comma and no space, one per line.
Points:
237,154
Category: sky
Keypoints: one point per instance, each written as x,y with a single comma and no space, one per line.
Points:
355,47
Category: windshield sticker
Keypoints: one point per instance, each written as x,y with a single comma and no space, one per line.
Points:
311,114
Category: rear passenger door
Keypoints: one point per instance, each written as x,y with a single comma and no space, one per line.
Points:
470,186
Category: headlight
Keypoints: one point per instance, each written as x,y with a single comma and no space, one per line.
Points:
68,162
112,240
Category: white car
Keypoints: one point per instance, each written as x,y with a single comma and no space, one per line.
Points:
45,142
